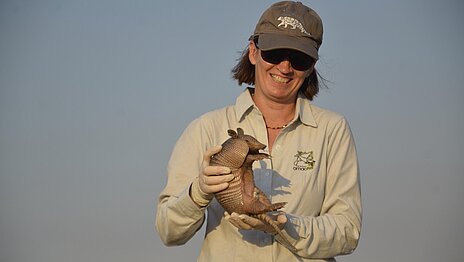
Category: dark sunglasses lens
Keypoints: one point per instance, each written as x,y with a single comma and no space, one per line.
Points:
298,60
273,56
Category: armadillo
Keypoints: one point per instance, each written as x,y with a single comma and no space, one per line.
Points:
242,196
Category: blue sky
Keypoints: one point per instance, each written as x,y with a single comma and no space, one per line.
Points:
94,94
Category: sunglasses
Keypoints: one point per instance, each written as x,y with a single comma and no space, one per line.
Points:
299,60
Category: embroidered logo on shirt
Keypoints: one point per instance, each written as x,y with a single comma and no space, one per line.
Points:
286,21
304,161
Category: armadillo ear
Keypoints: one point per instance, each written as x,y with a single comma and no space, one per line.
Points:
240,131
232,133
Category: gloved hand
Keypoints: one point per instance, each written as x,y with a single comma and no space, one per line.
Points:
212,179
246,222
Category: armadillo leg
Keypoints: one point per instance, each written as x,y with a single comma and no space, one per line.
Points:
261,204
277,206
254,157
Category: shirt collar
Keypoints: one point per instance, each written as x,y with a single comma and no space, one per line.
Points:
245,102
304,111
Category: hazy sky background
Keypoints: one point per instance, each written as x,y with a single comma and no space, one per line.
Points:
94,94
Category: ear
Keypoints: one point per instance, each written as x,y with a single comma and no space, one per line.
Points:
240,131
232,133
253,52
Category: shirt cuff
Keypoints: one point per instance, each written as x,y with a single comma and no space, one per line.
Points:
186,206
198,196
293,230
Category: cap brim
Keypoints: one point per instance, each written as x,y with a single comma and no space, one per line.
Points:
277,41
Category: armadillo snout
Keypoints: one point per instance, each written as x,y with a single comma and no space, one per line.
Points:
253,143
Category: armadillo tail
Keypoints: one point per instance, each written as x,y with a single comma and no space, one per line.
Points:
284,241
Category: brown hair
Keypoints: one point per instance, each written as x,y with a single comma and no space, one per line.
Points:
244,72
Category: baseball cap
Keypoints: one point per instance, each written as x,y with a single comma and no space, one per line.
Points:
290,25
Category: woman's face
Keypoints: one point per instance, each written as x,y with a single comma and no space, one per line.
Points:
278,82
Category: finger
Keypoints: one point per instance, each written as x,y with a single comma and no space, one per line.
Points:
215,183
216,170
234,214
232,220
214,180
240,224
210,152
238,219
212,189
282,218
252,222
234,223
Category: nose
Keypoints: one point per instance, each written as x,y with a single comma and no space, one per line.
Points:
285,66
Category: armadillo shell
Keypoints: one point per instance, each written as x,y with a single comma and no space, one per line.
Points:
231,198
232,155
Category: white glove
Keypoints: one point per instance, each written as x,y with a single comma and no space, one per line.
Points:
212,179
243,221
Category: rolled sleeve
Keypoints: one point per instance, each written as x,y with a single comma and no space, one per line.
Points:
178,217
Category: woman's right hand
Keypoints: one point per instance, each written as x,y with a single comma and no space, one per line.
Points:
211,179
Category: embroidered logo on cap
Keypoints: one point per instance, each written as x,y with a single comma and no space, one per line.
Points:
286,21
304,161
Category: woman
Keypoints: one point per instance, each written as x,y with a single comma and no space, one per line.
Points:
313,166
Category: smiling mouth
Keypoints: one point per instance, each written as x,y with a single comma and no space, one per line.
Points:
279,79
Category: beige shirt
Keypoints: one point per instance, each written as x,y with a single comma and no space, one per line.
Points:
313,168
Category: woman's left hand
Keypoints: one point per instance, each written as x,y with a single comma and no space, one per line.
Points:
242,221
